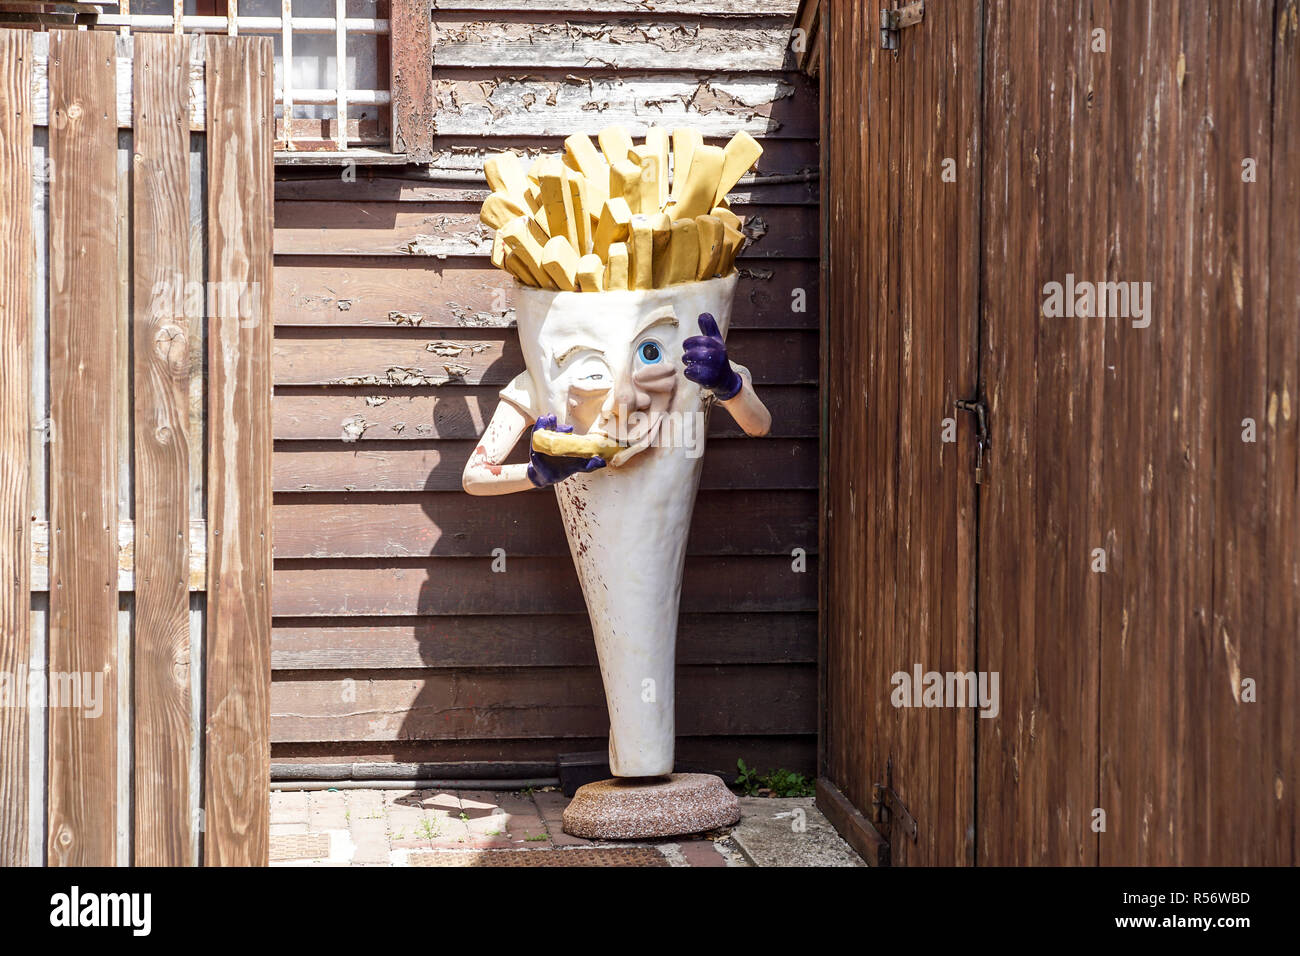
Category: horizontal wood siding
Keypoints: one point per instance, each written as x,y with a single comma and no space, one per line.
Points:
395,649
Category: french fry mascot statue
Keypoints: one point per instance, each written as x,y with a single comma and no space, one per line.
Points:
614,402
634,373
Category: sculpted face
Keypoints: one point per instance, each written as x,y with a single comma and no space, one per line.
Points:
611,363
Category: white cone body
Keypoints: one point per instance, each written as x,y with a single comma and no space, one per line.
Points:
627,525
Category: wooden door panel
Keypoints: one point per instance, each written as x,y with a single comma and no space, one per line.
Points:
1119,439
1046,153
901,351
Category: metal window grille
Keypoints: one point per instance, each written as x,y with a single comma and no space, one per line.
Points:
287,26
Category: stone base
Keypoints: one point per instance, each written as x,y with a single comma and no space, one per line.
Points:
650,807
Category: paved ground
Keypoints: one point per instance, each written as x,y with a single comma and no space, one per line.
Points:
455,828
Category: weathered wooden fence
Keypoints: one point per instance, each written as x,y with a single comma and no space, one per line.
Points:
397,651
135,289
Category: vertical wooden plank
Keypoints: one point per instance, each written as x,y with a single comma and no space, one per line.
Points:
1038,613
161,198
901,330
1243,806
936,253
412,79
1282,415
83,481
16,264
824,369
238,670
1147,417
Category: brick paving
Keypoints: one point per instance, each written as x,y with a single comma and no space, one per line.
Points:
411,827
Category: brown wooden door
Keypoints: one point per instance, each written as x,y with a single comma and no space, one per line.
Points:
1118,156
1129,565
902,155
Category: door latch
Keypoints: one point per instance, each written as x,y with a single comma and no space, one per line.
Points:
891,21
980,410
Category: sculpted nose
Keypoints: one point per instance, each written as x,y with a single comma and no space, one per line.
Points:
620,402
625,394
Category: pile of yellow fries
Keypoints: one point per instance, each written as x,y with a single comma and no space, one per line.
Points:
605,219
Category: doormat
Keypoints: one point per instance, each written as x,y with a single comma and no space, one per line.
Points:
578,856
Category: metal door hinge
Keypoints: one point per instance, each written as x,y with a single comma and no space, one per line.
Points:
891,21
980,410
886,801
889,808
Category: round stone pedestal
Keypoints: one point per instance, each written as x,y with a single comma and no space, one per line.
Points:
647,807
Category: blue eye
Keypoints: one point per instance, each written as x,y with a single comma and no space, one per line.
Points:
650,352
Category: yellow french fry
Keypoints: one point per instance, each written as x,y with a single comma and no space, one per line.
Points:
515,266
615,143
710,230
727,216
683,251
520,241
577,185
558,203
537,230
656,140
616,267
732,240
696,198
505,175
648,184
498,250
591,274
641,254
615,222
739,157
625,183
685,141
533,200
499,208
561,263
662,229
566,445
583,156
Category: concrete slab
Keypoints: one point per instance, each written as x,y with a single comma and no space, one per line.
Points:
371,840
289,806
789,831
327,810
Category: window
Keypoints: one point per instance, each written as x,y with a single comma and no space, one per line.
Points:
334,65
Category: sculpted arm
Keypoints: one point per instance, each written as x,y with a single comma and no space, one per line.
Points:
708,366
484,472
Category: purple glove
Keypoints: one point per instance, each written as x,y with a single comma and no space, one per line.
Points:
545,470
705,358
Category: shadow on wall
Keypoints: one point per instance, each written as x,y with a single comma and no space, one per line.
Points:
503,629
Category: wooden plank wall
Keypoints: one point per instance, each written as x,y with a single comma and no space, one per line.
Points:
109,236
395,649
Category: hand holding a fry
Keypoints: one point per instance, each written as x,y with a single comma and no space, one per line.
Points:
547,470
